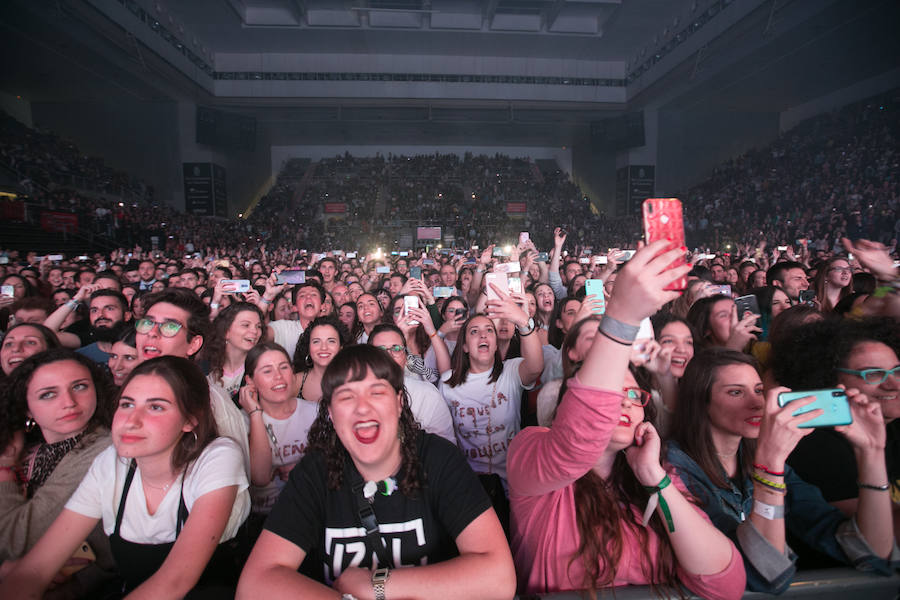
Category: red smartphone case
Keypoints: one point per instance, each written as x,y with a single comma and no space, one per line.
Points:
663,220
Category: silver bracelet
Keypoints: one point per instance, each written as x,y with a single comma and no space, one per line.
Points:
264,300
213,305
618,329
73,304
768,511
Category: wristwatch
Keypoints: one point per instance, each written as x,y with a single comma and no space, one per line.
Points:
528,331
379,578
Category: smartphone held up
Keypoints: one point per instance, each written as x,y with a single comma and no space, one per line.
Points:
663,220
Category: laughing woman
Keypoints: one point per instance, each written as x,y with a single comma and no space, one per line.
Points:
187,491
236,330
421,502
578,490
483,391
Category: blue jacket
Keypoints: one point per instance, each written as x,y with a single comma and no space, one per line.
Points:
807,516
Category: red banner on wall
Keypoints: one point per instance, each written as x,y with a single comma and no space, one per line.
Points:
52,220
516,208
335,208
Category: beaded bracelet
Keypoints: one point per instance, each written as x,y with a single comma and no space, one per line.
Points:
765,469
780,487
656,498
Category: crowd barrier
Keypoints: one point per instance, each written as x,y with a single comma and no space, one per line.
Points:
827,584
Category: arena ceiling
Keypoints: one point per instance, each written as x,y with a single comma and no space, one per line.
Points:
779,54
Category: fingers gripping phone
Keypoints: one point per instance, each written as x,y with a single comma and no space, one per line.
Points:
833,402
663,220
746,304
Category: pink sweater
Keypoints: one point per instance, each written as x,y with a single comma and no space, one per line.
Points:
543,465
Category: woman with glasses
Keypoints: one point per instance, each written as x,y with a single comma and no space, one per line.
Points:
833,282
729,443
592,506
425,401
420,337
866,354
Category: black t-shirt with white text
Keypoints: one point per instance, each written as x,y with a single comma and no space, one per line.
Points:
422,530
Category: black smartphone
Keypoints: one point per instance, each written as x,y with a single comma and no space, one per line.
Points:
807,297
745,304
415,272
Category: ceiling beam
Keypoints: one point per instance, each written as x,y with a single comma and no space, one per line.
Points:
487,14
552,13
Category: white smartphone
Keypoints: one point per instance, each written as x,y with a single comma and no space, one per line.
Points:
410,302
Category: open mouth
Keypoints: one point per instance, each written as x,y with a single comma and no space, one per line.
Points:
366,432
754,421
151,351
625,420
678,362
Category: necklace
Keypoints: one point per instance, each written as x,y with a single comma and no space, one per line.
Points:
726,455
157,487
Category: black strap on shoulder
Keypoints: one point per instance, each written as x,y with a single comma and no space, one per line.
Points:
374,542
132,466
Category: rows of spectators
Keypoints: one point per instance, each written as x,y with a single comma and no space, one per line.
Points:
561,421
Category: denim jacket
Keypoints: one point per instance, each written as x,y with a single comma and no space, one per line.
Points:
807,516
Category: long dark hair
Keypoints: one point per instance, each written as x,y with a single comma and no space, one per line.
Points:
698,317
14,393
555,335
690,425
301,350
605,511
191,392
459,361
423,342
214,349
353,363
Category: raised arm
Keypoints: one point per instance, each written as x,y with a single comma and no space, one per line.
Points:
57,317
543,460
509,307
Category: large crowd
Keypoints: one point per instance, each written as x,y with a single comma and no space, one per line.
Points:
543,405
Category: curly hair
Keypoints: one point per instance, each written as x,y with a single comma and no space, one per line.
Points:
301,350
354,363
14,393
809,357
214,348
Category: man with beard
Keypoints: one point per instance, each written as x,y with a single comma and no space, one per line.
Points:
106,308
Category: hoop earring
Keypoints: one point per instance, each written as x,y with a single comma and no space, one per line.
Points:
308,362
30,424
196,439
